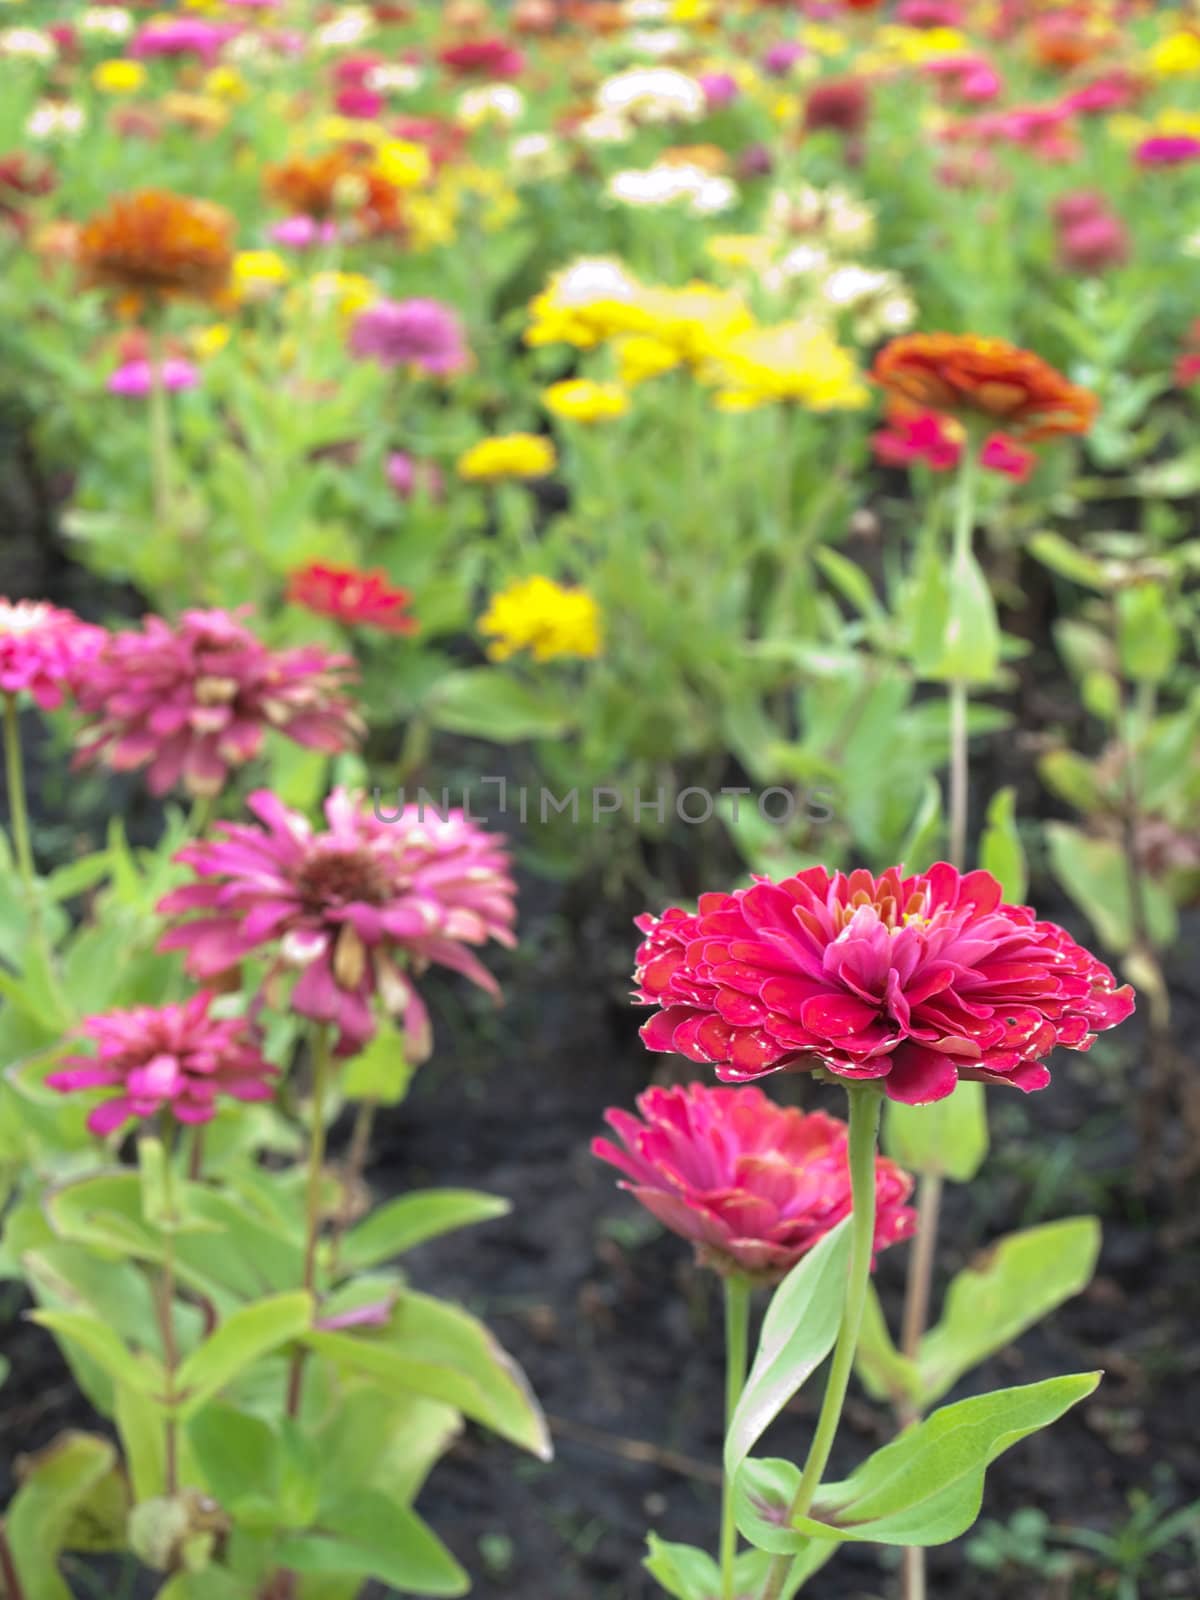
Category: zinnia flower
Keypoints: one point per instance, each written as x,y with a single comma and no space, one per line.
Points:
915,981
364,599
796,363
583,400
421,334
483,58
154,245
1167,150
937,443
509,455
408,477
546,618
191,701
42,648
173,1058
136,378
966,376
753,1185
355,911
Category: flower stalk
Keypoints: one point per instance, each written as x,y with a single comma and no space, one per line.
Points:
316,1163
865,1106
737,1325
14,769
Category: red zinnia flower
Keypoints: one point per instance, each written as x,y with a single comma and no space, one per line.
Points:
174,1058
753,1185
483,58
914,981
366,599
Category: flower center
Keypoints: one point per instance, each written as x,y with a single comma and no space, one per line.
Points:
340,874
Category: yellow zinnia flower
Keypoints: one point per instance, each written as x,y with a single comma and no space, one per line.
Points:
258,273
546,618
642,356
119,76
795,362
508,455
404,164
1178,55
582,400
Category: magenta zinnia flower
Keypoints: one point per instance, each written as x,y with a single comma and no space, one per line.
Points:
192,700
410,333
915,981
166,1058
42,648
753,1185
355,911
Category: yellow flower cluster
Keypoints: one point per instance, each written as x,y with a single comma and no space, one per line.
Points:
1175,56
794,363
582,400
507,455
546,618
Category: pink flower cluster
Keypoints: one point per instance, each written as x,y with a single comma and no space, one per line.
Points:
42,650
753,1185
192,701
927,439
913,981
423,334
176,1058
355,911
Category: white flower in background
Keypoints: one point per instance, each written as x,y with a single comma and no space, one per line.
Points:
593,278
29,44
701,193
803,261
351,26
653,94
106,22
490,102
536,155
400,77
646,10
658,43
834,215
604,128
54,119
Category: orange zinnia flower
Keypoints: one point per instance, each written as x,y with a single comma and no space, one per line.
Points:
965,376
336,183
154,245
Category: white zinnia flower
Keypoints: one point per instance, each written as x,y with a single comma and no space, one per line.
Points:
655,94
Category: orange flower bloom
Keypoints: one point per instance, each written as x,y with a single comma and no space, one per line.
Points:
336,183
965,376
154,245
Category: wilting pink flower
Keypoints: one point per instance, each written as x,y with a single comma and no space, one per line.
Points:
42,649
1004,455
174,1058
408,477
356,911
410,333
913,981
753,1185
1167,150
134,378
192,700
302,233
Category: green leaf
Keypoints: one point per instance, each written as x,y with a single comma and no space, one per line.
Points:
239,1456
139,1424
798,1332
97,1339
241,1340
851,582
372,1536
1147,638
379,1072
926,1487
682,1570
1066,558
972,643
1095,874
1000,850
923,844
1012,1286
491,704
885,1373
213,1583
57,1483
948,1138
414,1218
438,1350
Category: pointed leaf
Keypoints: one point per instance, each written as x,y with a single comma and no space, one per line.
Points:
57,1482
948,1138
681,1570
882,1370
1000,850
241,1340
105,1347
414,1218
372,1536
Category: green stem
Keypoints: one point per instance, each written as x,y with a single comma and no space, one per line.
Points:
167,1323
316,1163
737,1327
160,433
14,768
865,1104
964,524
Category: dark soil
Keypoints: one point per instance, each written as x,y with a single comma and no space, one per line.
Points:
621,1336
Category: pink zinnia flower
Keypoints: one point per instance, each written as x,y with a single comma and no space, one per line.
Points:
182,36
167,1058
134,377
408,477
302,233
1167,150
483,58
913,981
753,1185
1004,455
42,648
355,911
720,89
192,700
410,333
923,437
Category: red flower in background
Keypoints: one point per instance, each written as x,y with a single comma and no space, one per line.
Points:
22,177
362,599
483,58
916,982
753,1185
